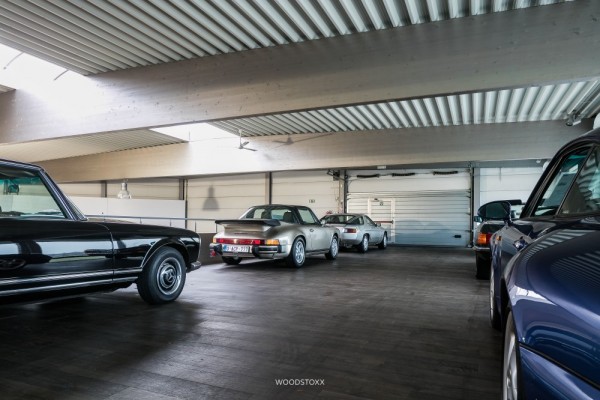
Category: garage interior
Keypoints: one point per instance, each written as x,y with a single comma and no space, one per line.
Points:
414,112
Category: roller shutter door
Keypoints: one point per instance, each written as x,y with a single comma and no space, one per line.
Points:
420,207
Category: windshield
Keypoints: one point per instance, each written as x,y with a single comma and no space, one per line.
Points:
24,195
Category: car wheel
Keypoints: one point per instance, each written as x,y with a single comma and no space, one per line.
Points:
297,254
494,314
383,244
163,277
232,260
364,244
483,266
333,249
511,388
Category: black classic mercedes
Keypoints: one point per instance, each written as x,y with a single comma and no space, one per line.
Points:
49,249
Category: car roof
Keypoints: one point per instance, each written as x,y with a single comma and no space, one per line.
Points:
19,164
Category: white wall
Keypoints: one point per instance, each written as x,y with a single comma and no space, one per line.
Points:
314,189
224,197
82,189
506,183
147,189
110,206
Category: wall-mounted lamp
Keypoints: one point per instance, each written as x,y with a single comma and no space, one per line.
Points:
124,193
573,118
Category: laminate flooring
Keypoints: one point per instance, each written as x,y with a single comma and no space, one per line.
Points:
400,323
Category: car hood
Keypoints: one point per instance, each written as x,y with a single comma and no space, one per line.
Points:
560,276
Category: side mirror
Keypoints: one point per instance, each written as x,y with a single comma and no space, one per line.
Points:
477,218
499,210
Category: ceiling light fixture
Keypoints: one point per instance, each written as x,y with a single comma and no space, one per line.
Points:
124,193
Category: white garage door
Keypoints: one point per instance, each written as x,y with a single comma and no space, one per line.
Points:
421,207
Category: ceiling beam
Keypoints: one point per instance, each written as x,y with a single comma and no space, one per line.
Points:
392,147
517,48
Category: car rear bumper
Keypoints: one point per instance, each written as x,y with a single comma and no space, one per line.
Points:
350,239
257,251
480,249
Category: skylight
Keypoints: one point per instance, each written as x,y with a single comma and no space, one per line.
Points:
194,132
20,70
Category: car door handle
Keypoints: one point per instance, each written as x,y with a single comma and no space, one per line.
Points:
311,229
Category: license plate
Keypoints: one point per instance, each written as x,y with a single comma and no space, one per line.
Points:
230,248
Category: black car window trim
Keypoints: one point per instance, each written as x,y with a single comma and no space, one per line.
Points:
541,190
559,213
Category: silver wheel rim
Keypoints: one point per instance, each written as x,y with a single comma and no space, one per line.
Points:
510,370
334,247
365,243
492,306
168,276
299,252
384,240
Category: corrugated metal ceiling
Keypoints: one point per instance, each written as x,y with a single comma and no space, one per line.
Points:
90,37
551,102
96,36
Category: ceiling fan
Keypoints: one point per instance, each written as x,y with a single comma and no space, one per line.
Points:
242,145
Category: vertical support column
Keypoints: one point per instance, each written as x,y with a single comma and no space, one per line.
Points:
103,189
269,188
475,196
183,196
344,190
182,187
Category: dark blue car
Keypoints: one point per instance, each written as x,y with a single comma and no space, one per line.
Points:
545,280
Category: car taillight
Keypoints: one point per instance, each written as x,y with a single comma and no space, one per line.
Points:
350,230
240,241
483,239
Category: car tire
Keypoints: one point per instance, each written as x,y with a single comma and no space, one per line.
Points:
297,254
334,248
232,260
483,266
511,373
364,244
494,314
163,277
383,244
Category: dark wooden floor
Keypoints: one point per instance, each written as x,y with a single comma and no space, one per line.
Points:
403,323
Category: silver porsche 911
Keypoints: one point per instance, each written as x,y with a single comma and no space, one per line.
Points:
275,232
357,230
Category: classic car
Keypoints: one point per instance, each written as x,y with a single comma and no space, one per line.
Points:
275,232
545,281
49,249
357,230
485,229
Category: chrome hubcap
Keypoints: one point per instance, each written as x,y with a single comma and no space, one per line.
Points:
169,276
299,252
334,247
